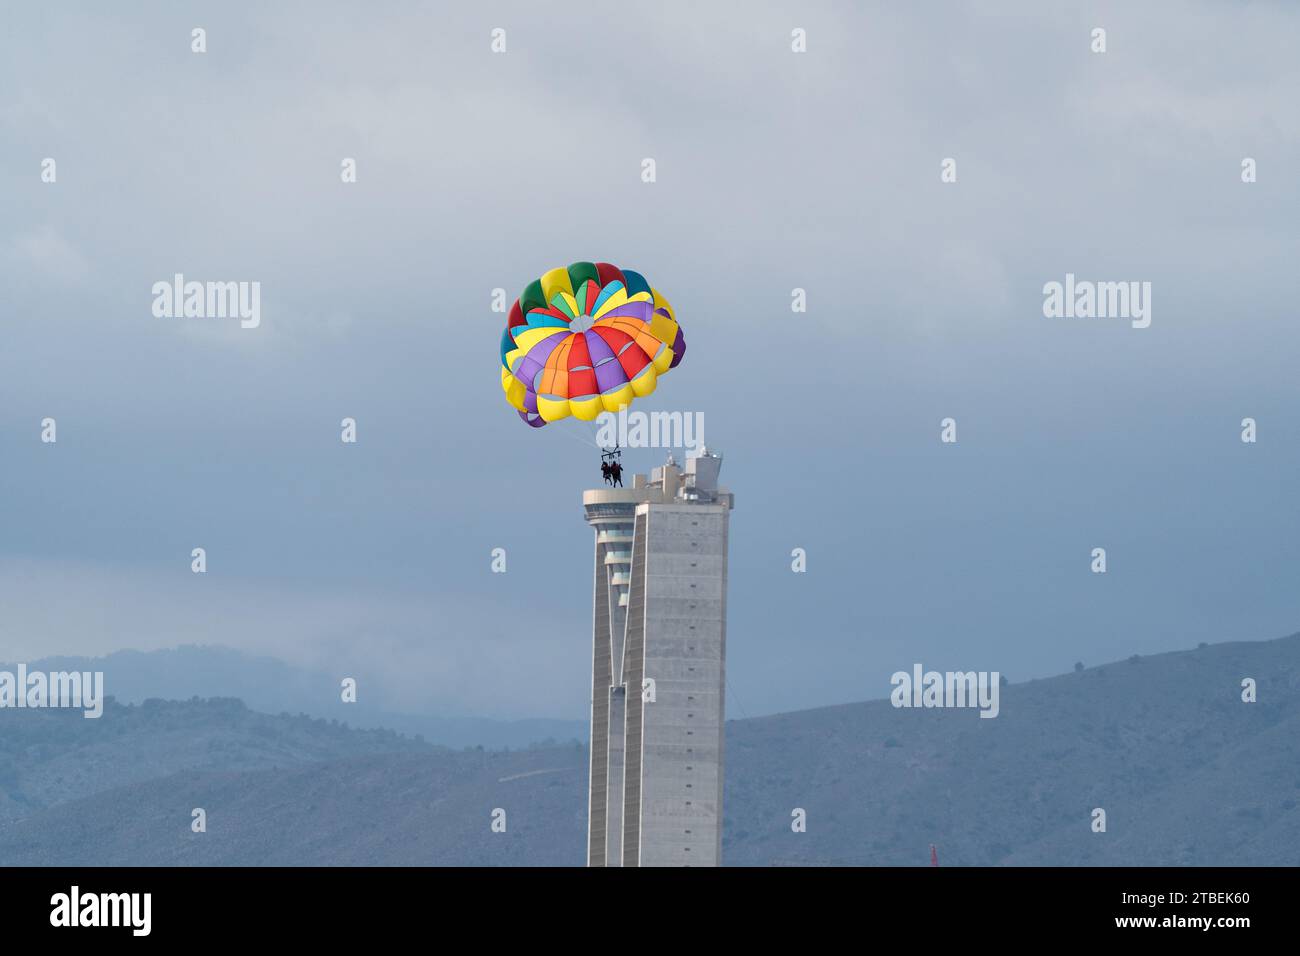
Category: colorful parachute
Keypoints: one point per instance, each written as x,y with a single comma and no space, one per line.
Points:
585,340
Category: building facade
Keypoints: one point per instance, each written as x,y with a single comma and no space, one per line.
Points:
658,670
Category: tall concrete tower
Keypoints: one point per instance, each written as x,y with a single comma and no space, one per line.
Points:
658,668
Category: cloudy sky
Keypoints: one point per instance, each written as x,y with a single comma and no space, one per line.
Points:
776,171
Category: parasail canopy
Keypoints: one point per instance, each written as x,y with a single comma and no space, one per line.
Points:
585,340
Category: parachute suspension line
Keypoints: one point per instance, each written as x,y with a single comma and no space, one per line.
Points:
569,434
592,430
577,436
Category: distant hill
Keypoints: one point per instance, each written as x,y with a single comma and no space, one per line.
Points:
1187,773
52,756
432,808
272,686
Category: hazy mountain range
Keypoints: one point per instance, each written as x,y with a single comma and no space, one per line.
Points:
1186,771
272,686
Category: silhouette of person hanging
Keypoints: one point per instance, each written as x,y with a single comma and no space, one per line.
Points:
605,471
617,471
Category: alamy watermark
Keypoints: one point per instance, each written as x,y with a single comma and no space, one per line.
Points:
951,689
650,429
208,300
73,689
1084,299
75,908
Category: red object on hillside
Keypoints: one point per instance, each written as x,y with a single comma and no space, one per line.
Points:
934,856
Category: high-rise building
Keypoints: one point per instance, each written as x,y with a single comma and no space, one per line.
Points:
658,668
